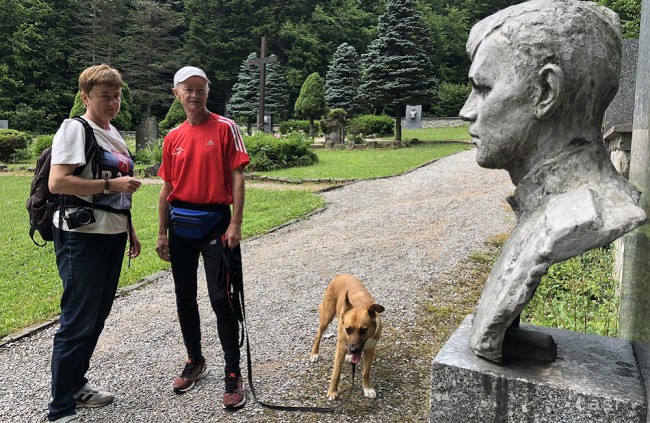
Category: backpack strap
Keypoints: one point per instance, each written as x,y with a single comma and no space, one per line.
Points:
90,147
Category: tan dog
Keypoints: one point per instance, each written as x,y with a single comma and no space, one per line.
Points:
359,328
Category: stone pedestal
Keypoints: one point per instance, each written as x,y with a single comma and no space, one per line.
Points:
595,379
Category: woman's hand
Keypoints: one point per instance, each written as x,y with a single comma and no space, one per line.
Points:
136,247
125,184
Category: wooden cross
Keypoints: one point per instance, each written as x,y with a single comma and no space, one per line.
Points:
261,62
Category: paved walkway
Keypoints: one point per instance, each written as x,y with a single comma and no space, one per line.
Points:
399,235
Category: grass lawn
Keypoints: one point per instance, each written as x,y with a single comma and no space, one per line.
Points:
30,288
373,163
456,133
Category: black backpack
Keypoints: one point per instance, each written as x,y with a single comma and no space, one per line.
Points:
41,203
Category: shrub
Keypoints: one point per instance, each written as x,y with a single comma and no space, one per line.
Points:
295,125
371,124
151,154
335,120
25,118
11,141
449,99
41,143
268,152
175,116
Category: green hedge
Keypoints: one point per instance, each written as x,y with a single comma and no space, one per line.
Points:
269,153
41,143
11,141
371,124
295,125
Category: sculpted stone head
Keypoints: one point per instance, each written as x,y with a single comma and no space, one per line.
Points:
542,75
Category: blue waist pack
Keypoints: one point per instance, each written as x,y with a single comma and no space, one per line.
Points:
193,224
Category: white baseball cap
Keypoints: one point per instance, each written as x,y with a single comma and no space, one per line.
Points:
188,72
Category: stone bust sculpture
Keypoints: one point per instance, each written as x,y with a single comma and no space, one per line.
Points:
542,75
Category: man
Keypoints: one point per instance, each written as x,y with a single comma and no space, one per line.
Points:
542,75
202,172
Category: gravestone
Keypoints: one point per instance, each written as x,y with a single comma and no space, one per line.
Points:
413,117
146,133
268,124
621,109
4,124
634,315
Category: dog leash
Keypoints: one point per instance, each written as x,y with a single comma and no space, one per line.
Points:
288,407
227,260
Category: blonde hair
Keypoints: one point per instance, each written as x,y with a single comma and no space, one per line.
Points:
98,75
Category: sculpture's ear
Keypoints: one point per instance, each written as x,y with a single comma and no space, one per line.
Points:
551,79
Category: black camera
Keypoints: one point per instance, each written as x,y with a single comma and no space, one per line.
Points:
81,217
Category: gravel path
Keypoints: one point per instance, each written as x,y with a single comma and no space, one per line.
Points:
399,235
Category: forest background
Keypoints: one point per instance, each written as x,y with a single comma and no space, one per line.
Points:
45,44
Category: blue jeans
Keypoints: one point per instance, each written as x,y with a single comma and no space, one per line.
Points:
89,266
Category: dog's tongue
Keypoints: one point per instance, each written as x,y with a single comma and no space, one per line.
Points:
356,357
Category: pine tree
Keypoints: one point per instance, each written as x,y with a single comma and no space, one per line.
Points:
311,101
277,92
397,69
244,101
343,78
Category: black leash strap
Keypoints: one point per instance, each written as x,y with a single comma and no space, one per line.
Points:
287,407
233,266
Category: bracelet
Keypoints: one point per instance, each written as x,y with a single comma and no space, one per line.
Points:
106,187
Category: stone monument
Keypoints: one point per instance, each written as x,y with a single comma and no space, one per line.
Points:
635,288
621,110
268,124
413,118
4,124
543,73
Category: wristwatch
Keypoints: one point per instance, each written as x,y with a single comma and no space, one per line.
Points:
106,190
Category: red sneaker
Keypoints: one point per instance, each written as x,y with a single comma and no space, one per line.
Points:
192,372
234,396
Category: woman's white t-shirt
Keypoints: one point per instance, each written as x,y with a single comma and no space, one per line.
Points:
68,147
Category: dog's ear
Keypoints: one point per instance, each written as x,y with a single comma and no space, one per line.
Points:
348,304
375,308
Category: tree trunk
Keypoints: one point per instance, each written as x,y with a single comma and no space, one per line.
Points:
398,125
311,127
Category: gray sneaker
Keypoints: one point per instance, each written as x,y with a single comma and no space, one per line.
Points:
90,397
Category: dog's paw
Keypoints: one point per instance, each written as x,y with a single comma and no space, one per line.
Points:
332,395
314,358
369,393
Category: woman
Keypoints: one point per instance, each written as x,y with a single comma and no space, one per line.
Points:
90,237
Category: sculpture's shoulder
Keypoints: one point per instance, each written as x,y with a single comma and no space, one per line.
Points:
589,216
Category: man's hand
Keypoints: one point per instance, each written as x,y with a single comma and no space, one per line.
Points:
162,247
233,234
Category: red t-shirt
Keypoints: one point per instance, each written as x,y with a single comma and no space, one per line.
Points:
198,160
